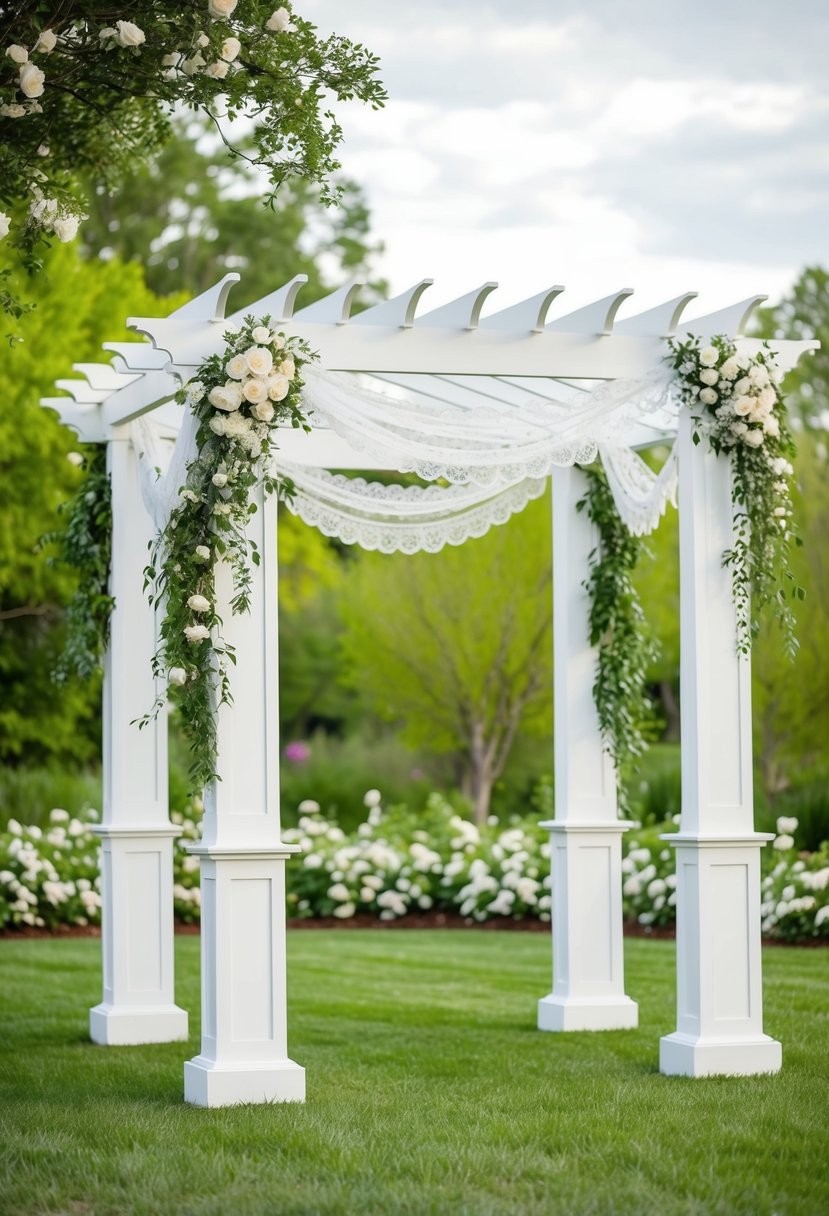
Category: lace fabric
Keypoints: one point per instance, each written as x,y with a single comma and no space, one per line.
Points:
495,458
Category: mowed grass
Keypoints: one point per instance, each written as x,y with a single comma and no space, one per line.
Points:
429,1091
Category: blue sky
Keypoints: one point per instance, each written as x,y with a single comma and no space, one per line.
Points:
662,146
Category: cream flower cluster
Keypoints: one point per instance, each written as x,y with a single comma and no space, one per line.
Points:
31,79
741,391
257,379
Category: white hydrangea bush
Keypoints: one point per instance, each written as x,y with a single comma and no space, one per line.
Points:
401,863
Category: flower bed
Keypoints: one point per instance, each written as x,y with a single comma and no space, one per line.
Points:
401,863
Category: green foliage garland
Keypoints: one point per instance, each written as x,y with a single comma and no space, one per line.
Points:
618,629
239,397
86,545
739,409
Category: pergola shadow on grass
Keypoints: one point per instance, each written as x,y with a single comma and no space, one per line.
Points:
436,1098
468,363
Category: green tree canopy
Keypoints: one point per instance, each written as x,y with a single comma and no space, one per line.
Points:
84,92
456,646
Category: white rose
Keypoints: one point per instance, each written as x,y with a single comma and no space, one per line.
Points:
739,429
729,369
202,552
225,397
170,61
230,49
66,228
768,397
708,396
31,80
177,676
278,21
288,368
217,70
219,480
278,387
709,375
219,10
743,406
4,228
192,65
742,385
237,425
262,335
255,390
260,360
708,356
758,375
263,411
218,423
12,111
198,603
277,341
196,633
754,439
129,34
76,459
783,842
17,54
771,426
42,150
46,41
787,825
237,367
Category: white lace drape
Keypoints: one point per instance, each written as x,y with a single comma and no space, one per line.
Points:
496,458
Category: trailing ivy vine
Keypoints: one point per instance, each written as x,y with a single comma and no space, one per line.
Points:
619,631
86,545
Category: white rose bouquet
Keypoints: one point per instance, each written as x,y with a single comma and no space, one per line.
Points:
741,413
240,397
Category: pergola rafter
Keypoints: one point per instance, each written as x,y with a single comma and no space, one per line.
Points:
458,355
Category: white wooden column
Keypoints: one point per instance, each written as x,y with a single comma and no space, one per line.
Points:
586,834
136,835
719,981
244,1051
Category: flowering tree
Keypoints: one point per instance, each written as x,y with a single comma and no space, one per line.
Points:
83,91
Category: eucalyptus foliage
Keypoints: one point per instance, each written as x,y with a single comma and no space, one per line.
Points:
740,412
618,629
238,397
86,545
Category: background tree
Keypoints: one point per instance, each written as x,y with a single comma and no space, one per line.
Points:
457,646
189,215
84,92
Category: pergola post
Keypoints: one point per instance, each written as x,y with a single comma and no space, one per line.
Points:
586,835
719,982
136,835
244,1052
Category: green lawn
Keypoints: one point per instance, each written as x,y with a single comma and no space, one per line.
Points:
429,1091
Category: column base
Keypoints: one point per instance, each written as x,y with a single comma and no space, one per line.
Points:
110,1026
586,1013
682,1055
208,1084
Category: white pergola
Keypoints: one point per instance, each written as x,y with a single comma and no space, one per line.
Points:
455,354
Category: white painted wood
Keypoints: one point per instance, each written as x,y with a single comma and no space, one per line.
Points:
662,320
136,835
596,319
588,960
398,312
529,314
731,320
278,305
243,1056
333,309
719,992
463,313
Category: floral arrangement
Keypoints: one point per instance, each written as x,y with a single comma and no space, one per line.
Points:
397,864
739,409
238,397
